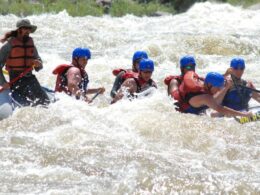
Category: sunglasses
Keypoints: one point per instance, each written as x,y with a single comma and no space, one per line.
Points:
189,67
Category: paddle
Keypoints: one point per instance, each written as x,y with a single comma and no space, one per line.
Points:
242,86
243,120
245,87
94,97
8,84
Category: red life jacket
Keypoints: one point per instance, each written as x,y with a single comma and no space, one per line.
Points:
117,71
168,79
61,81
21,56
186,84
128,73
191,84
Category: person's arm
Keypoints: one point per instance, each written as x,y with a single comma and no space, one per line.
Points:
219,96
256,96
129,85
38,61
209,101
173,89
118,82
74,79
228,72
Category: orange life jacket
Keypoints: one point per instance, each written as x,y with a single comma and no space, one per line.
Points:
189,83
21,56
61,81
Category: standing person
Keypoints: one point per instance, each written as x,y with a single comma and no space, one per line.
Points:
140,83
20,57
122,74
187,63
239,95
202,98
73,79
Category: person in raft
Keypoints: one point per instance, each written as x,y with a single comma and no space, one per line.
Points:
73,79
187,63
208,95
123,74
20,57
140,83
239,95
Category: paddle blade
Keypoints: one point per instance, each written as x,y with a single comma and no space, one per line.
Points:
243,120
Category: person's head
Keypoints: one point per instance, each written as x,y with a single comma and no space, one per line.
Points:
24,28
137,57
187,63
146,68
80,56
238,67
214,82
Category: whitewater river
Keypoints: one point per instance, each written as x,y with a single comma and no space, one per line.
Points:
143,146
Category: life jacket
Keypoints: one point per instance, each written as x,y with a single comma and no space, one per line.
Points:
128,73
117,71
168,79
143,85
238,97
62,82
189,86
21,56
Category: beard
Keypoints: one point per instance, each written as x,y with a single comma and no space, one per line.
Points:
25,38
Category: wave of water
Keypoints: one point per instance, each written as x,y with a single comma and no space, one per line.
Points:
143,146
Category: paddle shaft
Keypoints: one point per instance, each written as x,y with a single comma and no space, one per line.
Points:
255,90
245,87
17,78
94,97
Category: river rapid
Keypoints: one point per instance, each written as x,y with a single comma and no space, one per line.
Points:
143,146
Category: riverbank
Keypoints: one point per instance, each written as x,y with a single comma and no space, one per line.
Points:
115,8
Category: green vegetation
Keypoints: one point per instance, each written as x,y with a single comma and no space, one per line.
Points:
244,3
122,7
90,7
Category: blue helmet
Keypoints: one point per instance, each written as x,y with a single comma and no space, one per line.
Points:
139,55
215,79
187,60
81,52
146,64
237,63
88,53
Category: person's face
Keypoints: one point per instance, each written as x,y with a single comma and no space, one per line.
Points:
136,65
24,31
82,61
212,90
238,72
187,68
146,75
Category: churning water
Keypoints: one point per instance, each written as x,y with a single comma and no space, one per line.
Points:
143,146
